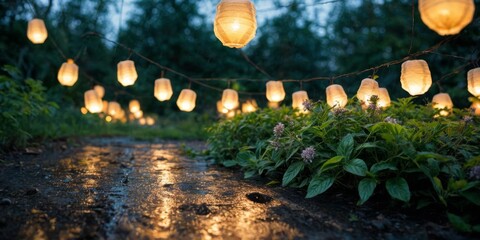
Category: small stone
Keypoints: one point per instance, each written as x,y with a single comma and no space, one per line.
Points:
259,197
5,202
32,191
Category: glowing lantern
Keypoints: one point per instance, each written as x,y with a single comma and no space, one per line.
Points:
114,109
231,114
367,89
415,77
36,31
230,99
68,73
138,114
163,89
92,102
249,106
221,108
150,121
99,90
446,17
298,98
83,110
442,102
134,106
476,107
120,115
275,91
383,98
473,78
142,121
235,23
186,100
274,105
126,73
336,96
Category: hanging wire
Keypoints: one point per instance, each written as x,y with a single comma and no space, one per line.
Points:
305,5
253,64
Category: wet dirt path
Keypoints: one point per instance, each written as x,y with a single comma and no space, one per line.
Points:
122,189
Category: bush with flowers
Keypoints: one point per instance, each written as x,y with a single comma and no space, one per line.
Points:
405,151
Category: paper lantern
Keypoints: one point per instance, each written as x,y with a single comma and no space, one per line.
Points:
36,31
415,77
367,89
235,24
83,110
68,73
231,114
126,73
446,17
298,98
150,121
443,102
476,108
142,121
336,96
383,98
221,108
138,114
120,115
134,106
163,89
92,102
108,118
275,91
186,100
99,90
274,105
114,108
249,106
473,79
230,99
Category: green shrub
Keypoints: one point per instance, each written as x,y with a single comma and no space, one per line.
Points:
403,151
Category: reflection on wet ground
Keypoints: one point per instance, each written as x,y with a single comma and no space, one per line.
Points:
121,189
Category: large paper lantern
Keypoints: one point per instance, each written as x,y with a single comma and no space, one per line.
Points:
275,91
99,90
473,79
220,108
114,109
36,31
93,103
336,96
298,98
163,89
383,98
367,89
235,22
249,106
443,102
68,73
230,99
126,73
446,17
476,108
415,77
134,106
186,100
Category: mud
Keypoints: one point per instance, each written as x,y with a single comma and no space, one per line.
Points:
118,188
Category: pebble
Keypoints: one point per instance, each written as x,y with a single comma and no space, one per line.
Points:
5,202
259,197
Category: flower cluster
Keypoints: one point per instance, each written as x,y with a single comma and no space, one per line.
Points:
475,173
339,111
278,130
308,154
307,105
467,119
392,120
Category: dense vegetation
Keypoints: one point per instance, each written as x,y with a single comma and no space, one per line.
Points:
404,151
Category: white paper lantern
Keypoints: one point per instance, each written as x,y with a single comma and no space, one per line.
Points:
220,108
99,90
235,23
36,31
367,89
298,98
473,80
186,100
114,109
93,103
68,73
163,89
446,17
415,77
126,73
336,96
230,99
134,106
249,106
443,102
383,98
275,91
